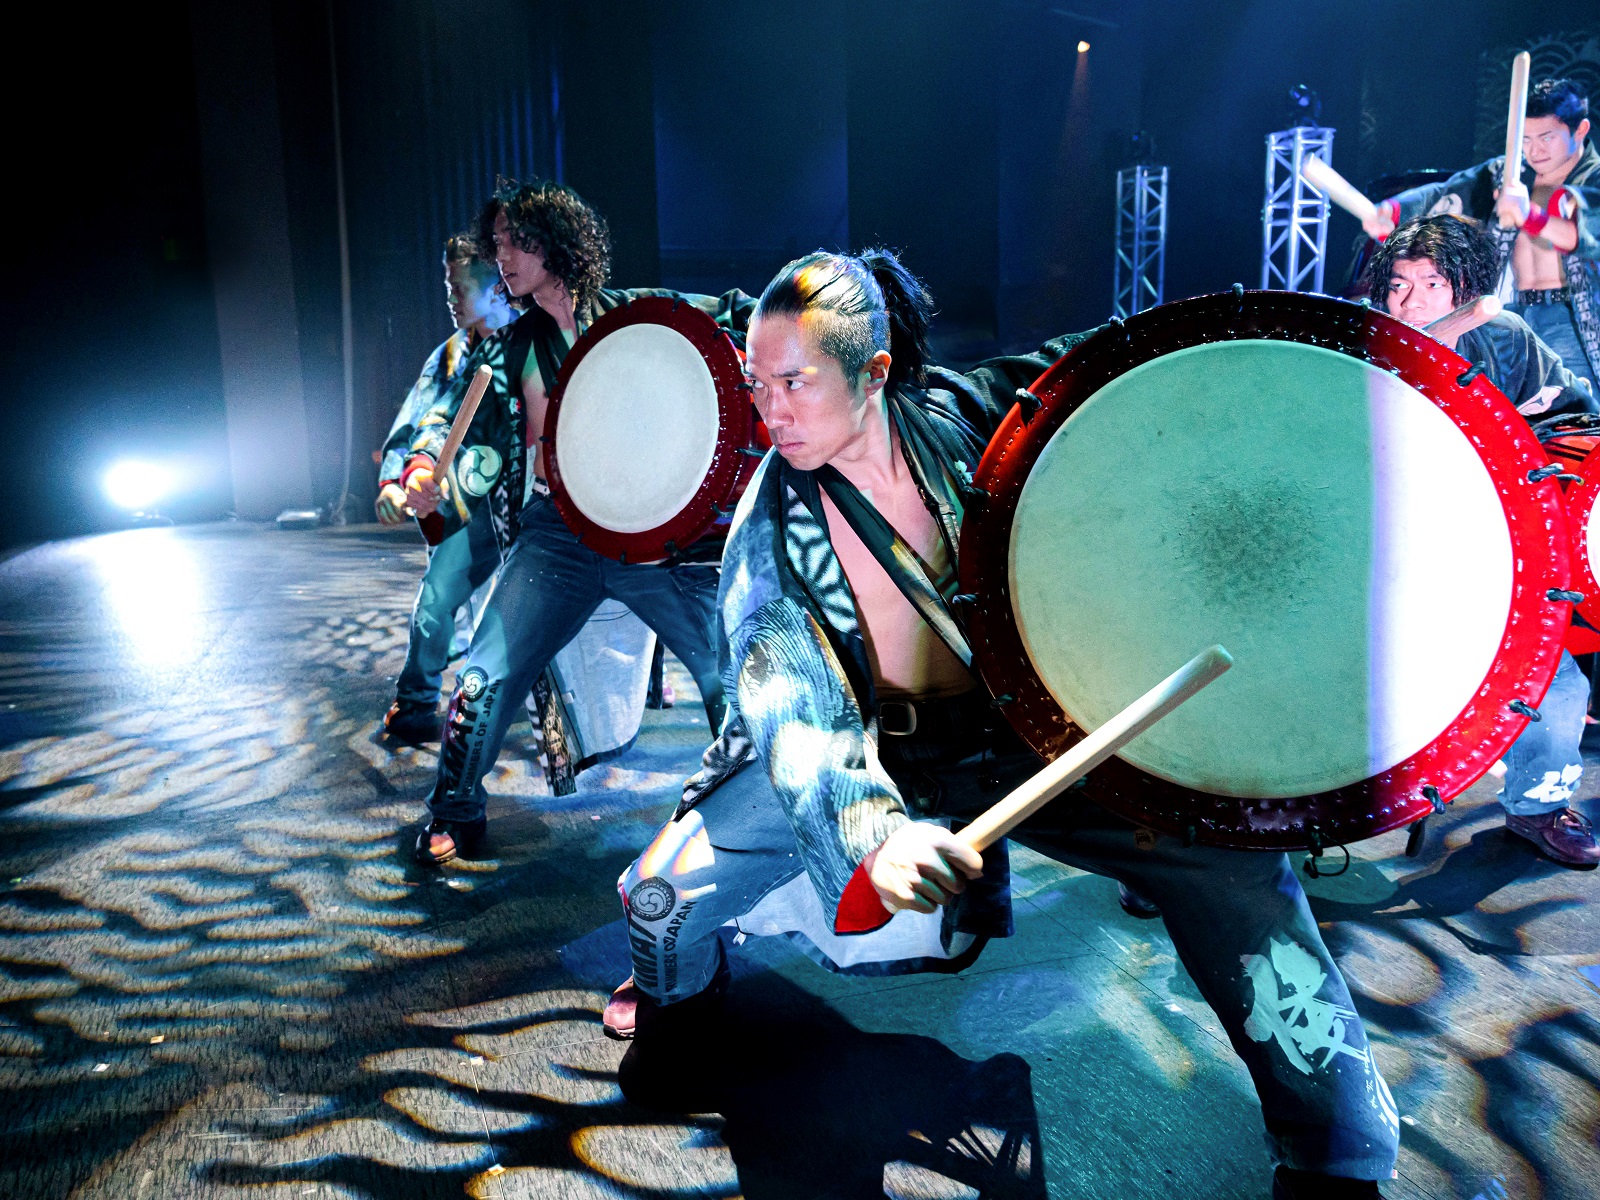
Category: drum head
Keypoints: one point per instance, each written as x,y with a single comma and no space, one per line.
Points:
1304,482
644,429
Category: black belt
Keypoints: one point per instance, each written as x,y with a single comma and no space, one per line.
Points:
925,732
1559,295
926,720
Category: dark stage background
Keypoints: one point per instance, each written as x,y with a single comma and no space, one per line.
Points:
174,287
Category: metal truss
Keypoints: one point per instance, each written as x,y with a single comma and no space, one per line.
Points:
1294,219
1140,273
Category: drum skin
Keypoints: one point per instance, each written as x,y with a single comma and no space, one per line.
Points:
1522,668
741,438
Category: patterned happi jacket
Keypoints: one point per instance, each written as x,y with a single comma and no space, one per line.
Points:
1472,193
1530,374
794,665
492,463
443,368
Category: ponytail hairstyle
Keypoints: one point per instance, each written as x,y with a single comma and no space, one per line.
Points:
866,302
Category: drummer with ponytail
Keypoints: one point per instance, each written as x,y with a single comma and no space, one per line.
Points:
857,730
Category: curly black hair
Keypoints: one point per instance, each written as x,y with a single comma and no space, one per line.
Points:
554,220
1458,247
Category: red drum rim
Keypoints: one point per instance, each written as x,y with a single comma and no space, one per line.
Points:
1525,661
1580,502
704,508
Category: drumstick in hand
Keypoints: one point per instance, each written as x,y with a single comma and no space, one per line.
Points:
861,909
1337,188
1464,319
1517,117
463,421
1512,203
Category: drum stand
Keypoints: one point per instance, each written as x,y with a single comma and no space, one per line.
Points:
1294,219
1140,272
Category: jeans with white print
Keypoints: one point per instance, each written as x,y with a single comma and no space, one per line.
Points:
1544,765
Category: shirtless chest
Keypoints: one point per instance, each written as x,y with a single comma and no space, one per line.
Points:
1535,264
907,657
536,403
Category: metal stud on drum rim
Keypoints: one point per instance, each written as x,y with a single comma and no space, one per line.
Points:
728,466
1523,663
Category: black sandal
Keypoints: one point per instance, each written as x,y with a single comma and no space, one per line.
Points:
465,837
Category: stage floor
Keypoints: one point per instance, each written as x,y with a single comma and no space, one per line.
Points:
222,976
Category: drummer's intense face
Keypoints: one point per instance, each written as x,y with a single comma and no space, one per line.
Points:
1418,293
811,410
522,271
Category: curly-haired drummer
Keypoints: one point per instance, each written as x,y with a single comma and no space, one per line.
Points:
856,727
554,255
1426,268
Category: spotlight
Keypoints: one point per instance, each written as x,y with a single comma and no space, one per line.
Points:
137,486
1305,106
1083,47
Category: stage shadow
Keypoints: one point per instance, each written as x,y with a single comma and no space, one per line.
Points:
1457,884
815,1108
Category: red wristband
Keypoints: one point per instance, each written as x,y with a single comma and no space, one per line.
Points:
1538,218
418,462
1562,204
1392,208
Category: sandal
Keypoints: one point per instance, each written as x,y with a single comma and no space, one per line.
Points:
465,837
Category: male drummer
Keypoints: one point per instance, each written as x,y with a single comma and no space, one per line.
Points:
465,559
1426,268
554,254
869,728
1546,237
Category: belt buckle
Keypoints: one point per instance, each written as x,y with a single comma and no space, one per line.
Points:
907,708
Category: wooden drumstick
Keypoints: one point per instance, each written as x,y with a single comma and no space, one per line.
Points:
861,909
1516,118
1001,818
463,421
1337,188
1464,319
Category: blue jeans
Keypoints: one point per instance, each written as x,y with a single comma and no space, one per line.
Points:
1238,920
1558,329
457,567
548,588
1544,765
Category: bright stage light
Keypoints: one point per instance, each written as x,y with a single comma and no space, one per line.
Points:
137,486
1083,47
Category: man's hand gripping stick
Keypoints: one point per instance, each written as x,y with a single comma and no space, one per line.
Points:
431,490
862,908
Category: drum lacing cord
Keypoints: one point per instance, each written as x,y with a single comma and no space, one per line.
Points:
1419,827
1466,377
1553,471
1027,405
1316,853
1568,422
